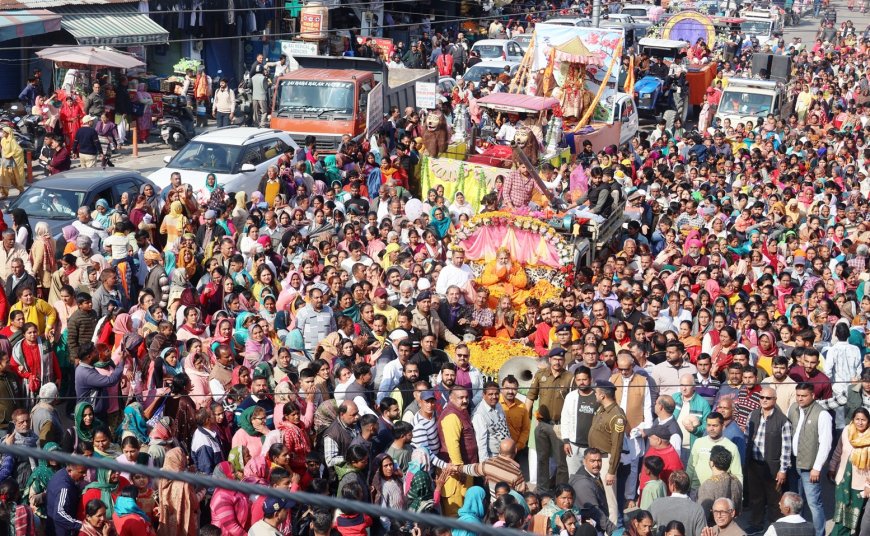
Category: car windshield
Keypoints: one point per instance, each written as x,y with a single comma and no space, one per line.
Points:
753,104
634,12
49,204
316,96
207,157
489,51
474,73
755,27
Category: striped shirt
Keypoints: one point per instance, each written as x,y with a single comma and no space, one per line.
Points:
426,437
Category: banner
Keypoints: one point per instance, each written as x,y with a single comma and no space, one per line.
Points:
297,48
427,95
375,109
385,45
600,41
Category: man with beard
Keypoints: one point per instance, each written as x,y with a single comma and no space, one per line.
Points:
448,380
404,391
667,375
456,317
259,397
393,370
577,412
429,359
427,322
414,405
515,412
357,391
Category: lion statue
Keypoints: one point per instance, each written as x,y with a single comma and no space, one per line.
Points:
526,141
436,137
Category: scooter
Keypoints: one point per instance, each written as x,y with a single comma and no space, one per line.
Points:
177,126
33,127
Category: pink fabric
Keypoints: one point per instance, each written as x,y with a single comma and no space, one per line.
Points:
243,439
229,512
525,246
257,468
579,182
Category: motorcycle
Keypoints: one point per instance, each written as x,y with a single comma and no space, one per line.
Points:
33,127
244,109
177,126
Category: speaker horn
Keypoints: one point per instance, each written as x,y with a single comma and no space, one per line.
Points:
521,368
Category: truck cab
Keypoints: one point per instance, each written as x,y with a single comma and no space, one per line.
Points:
761,25
747,99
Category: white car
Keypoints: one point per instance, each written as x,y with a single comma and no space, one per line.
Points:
238,156
498,49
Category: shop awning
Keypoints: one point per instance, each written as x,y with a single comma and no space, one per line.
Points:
111,25
15,24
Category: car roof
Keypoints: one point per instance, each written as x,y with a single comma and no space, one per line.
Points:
491,42
83,179
646,7
495,63
236,135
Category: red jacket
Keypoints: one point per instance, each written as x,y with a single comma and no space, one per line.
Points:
353,524
132,525
672,463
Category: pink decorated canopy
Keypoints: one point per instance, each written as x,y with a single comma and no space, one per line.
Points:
530,242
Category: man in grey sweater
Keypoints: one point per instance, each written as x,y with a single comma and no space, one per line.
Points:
90,384
678,506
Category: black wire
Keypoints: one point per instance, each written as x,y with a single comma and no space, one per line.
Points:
299,497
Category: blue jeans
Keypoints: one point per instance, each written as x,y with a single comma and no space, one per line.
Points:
817,5
812,493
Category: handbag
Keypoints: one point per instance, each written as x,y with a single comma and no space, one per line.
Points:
200,110
138,109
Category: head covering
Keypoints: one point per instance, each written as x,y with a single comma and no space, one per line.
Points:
106,489
133,424
125,506
236,458
38,481
85,434
472,510
246,424
439,227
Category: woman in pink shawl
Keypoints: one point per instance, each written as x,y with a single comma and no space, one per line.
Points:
229,509
196,367
258,470
258,347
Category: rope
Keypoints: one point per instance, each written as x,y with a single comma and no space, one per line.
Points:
300,497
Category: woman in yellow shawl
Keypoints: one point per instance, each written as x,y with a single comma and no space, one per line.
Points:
850,469
13,162
173,224
503,277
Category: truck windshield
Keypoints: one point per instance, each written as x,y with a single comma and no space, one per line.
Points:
755,27
753,104
315,96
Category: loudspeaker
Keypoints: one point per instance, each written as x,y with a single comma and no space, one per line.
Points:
780,68
761,64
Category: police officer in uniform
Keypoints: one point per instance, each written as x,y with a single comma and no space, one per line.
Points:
606,434
551,385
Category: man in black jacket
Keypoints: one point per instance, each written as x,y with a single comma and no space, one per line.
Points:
86,143
589,494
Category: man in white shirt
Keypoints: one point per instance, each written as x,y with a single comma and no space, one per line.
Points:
811,444
457,273
490,423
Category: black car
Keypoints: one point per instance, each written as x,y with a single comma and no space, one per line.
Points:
56,199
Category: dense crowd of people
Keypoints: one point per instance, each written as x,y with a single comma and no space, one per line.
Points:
312,336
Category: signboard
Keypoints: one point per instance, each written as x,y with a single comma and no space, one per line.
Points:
385,45
375,109
310,23
427,94
601,42
297,48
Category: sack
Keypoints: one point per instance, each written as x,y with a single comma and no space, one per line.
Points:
138,109
200,110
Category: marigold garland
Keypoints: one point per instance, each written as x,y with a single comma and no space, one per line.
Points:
489,354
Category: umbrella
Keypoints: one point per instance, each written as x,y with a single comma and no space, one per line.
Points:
85,56
575,51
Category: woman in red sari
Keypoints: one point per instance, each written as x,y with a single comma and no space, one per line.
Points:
71,114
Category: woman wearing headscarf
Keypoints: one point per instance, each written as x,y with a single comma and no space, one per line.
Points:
229,509
143,122
473,510
161,440
850,470
766,350
178,510
82,431
42,253
173,224
71,114
195,366
133,423
12,173
419,485
387,487
37,484
459,207
130,519
106,488
258,347
439,223
252,430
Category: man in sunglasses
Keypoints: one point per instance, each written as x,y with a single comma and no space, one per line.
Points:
768,458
